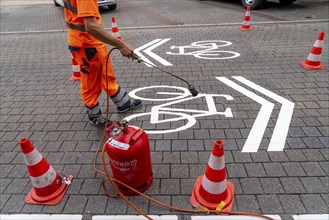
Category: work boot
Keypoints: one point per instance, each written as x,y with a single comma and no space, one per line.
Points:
123,101
99,121
131,104
95,117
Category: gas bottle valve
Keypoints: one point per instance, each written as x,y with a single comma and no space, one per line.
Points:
124,124
117,130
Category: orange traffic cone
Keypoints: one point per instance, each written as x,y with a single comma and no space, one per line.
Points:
115,30
212,191
75,70
313,61
246,21
48,187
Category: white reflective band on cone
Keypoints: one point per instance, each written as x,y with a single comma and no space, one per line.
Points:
32,158
213,187
318,43
248,13
76,68
216,163
246,23
45,179
314,57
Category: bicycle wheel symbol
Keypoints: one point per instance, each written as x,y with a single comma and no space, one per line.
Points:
190,121
206,50
167,93
170,114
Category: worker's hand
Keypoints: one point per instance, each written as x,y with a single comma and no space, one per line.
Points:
126,51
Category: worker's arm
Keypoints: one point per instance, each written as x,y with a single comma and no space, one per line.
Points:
97,31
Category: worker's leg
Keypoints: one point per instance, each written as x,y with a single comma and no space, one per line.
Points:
90,62
117,94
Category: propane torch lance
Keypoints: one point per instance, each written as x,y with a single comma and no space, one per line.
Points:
190,87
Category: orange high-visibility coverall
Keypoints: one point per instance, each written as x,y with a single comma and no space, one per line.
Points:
90,54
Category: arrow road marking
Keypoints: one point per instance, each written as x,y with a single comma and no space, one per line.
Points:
256,134
282,125
136,51
148,50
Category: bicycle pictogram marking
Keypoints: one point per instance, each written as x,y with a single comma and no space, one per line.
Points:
181,114
206,50
166,113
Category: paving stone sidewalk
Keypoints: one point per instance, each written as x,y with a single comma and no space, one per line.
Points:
40,103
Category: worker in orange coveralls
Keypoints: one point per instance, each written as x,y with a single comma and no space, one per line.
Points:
87,41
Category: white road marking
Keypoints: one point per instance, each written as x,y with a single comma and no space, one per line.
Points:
155,217
184,114
233,217
281,128
134,217
154,115
40,217
24,2
258,129
311,217
207,50
149,52
175,95
212,110
136,51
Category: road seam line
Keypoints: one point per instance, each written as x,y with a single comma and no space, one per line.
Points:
176,26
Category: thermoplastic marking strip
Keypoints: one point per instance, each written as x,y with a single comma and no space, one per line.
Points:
281,128
258,129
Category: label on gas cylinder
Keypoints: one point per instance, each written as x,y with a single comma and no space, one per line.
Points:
119,145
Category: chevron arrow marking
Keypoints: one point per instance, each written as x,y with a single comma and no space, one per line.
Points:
283,122
147,48
149,52
258,129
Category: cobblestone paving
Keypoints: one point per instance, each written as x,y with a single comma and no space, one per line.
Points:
140,13
40,103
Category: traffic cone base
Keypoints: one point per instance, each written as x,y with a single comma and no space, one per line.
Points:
311,67
245,28
48,188
53,199
197,200
313,61
75,76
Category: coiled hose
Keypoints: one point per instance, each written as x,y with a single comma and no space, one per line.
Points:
115,182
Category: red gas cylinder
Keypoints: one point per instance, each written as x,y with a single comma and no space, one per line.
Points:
130,157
